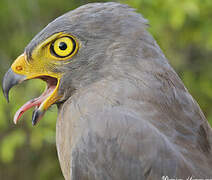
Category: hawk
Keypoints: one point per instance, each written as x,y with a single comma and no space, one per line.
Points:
123,112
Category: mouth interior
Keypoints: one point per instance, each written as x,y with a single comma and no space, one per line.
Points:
36,102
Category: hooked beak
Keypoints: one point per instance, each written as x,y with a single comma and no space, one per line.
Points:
11,79
20,71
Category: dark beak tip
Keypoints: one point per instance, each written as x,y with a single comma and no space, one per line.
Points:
6,96
36,116
10,79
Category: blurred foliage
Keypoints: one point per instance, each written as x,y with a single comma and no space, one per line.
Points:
181,27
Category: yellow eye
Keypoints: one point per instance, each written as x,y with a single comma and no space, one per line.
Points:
63,47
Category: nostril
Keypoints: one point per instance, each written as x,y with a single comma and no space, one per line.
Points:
19,68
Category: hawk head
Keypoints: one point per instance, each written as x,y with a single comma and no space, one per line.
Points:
74,51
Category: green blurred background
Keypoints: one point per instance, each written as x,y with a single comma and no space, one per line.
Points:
182,28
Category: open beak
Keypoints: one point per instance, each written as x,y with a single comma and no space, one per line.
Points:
22,70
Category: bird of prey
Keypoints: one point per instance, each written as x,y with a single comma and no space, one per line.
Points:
123,112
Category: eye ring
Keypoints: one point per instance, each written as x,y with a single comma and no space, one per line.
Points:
63,47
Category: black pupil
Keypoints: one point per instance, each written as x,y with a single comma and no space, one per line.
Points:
63,46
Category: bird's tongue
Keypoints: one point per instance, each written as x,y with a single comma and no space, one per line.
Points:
33,103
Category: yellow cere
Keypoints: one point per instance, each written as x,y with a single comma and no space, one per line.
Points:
58,47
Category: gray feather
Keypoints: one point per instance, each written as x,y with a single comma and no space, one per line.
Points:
126,115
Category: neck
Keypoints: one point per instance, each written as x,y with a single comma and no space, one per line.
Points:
136,61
